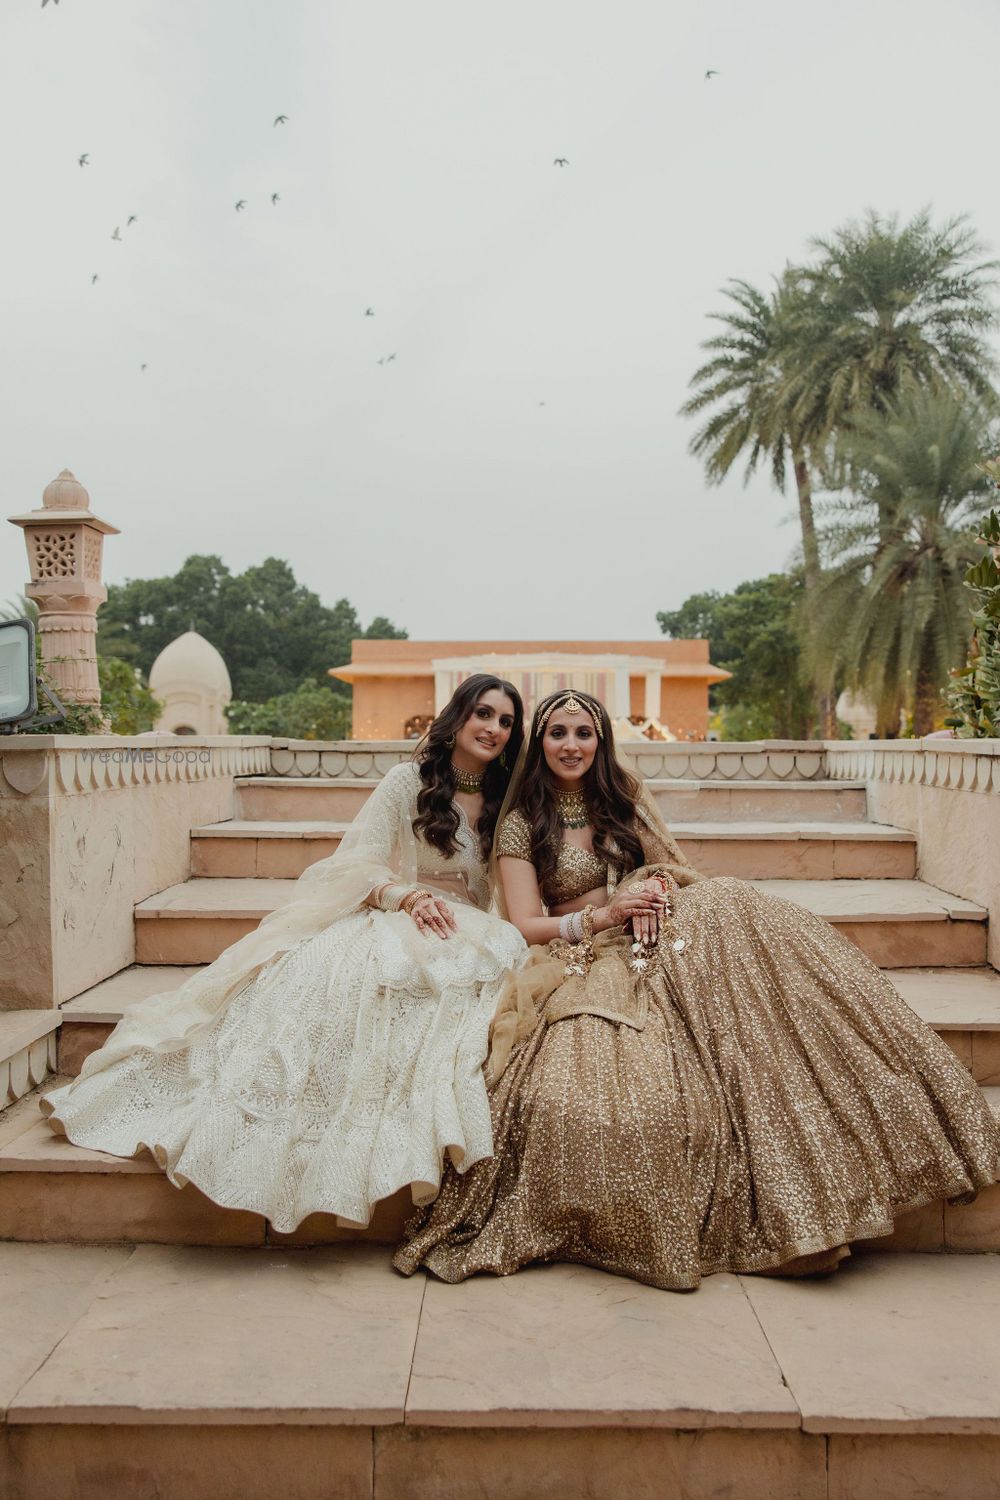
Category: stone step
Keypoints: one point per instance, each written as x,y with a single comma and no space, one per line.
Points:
139,1372
282,798
51,1190
898,923
962,1005
763,801
245,848
27,1051
332,799
192,922
89,1018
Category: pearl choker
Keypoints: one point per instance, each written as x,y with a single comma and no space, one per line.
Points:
467,781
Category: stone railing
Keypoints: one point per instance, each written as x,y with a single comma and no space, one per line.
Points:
89,826
326,759
74,764
949,765
947,792
764,760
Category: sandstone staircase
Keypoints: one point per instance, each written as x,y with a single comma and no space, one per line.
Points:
808,840
139,1353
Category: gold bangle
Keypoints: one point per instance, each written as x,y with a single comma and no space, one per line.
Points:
409,902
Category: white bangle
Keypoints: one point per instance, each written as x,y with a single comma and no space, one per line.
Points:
564,929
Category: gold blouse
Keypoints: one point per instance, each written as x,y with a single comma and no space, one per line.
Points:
577,870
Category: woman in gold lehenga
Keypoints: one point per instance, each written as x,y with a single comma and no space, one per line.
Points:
687,1075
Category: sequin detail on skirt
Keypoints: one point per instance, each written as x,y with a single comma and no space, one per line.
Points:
780,1100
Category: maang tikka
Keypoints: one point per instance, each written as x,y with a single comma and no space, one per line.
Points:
572,705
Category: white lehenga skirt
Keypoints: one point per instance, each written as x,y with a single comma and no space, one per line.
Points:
343,1071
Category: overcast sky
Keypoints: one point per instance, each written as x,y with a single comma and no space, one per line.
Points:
520,468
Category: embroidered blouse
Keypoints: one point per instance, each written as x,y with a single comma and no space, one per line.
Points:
577,870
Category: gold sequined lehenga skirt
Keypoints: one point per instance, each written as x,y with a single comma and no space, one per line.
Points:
760,1094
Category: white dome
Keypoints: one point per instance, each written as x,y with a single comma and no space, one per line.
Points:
190,662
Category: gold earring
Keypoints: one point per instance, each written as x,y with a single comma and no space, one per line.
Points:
450,742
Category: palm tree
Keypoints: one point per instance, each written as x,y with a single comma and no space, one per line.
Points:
746,381
891,614
887,307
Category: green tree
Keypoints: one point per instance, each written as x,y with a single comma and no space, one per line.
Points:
884,308
745,388
753,633
974,698
892,617
126,701
310,712
125,697
744,385
271,630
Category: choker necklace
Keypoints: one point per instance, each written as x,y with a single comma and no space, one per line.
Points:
572,808
467,781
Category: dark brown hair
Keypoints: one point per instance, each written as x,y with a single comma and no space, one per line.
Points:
437,816
610,792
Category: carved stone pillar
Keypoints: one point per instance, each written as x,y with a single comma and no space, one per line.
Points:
64,541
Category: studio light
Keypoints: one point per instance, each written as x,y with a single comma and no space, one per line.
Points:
18,682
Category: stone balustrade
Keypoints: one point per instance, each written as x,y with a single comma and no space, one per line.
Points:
91,826
761,760
947,792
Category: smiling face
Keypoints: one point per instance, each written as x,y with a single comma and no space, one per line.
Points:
569,746
485,732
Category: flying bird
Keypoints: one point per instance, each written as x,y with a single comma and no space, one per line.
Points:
85,159
117,234
369,312
281,119
712,73
45,3
380,361
390,358
274,198
561,161
142,367
93,278
242,204
132,219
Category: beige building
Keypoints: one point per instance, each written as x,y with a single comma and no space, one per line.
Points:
400,685
191,680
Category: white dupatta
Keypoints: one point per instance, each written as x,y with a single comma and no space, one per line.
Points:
378,848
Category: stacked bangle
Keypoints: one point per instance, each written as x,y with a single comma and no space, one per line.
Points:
411,897
390,897
572,928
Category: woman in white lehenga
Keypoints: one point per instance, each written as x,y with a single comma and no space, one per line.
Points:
334,1055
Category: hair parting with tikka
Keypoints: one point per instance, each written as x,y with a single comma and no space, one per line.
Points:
611,793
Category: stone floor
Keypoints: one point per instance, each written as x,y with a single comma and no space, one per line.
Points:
166,1371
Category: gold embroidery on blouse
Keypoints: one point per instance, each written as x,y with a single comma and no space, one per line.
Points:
577,870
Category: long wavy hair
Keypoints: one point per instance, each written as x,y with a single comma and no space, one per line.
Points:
437,818
609,790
